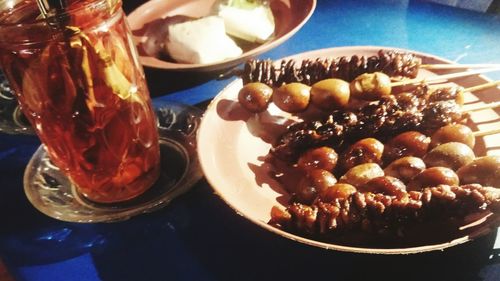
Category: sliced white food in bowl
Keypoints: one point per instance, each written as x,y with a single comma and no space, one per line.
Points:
201,41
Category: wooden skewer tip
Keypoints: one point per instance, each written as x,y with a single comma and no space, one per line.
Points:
443,77
491,105
482,133
483,86
443,66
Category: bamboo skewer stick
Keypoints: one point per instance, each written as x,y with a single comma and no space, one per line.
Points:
486,132
457,66
491,105
475,88
43,6
443,77
482,86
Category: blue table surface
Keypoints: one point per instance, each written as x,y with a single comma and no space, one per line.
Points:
197,237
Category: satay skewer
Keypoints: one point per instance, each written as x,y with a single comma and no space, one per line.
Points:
309,71
431,116
362,211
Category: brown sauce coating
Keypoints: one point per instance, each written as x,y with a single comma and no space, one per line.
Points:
433,176
411,143
451,155
405,168
330,94
293,97
318,158
255,97
453,133
385,185
309,71
367,150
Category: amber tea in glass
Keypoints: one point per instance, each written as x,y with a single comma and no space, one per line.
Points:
78,80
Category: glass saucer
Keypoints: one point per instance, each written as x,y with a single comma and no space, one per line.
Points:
54,195
12,120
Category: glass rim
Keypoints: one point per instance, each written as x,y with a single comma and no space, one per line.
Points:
41,20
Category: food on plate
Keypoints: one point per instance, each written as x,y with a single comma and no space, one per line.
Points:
310,71
433,176
483,170
409,143
441,113
361,174
255,97
386,185
424,94
384,214
313,183
405,168
304,135
368,150
371,86
383,118
293,97
330,94
402,155
452,155
337,191
453,133
200,41
249,20
322,157
390,201
447,93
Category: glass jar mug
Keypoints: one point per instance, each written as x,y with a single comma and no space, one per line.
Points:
78,80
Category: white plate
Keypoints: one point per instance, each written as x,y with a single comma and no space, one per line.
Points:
233,143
